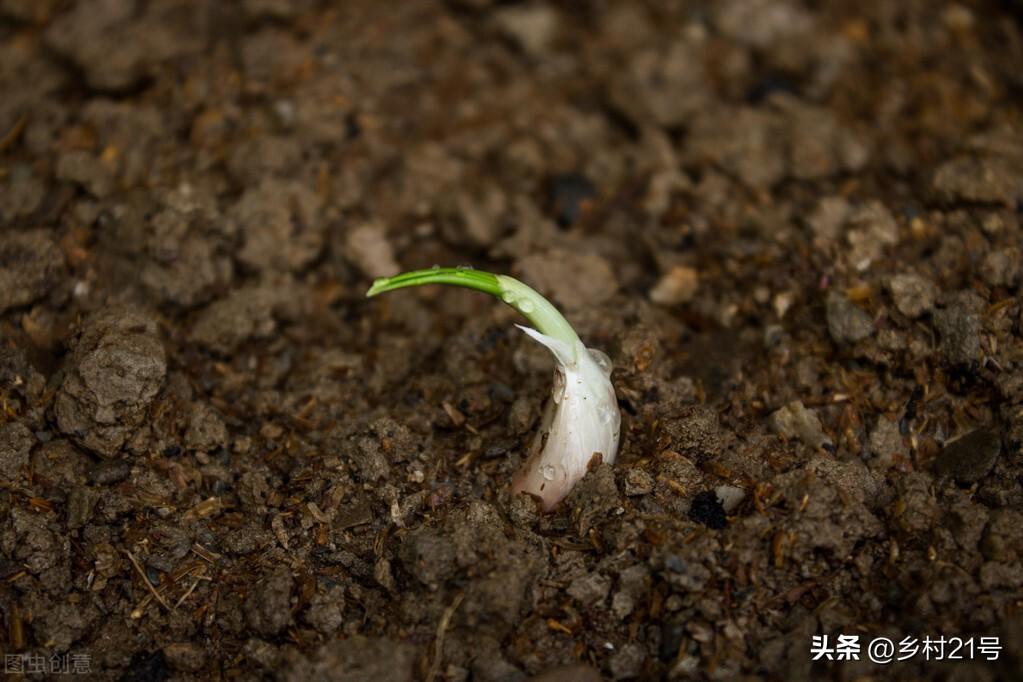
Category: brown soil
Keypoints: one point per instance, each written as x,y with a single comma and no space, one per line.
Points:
795,228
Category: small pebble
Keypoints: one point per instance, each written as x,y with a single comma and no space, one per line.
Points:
846,322
368,247
959,328
795,420
730,497
532,27
828,218
678,285
913,295
971,457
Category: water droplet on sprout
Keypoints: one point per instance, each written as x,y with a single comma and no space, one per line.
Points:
526,306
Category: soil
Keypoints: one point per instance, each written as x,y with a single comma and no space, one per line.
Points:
794,227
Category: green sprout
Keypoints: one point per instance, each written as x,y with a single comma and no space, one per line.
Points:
582,420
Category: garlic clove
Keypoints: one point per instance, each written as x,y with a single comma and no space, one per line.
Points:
581,420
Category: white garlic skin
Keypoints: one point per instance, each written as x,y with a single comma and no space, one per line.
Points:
581,419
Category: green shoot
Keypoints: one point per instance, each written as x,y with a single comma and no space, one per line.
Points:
534,307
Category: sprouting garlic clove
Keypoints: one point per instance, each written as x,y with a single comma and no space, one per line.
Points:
580,420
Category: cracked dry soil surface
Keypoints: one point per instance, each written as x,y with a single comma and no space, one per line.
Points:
794,227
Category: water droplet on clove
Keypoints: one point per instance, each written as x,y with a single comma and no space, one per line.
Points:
547,471
602,360
558,392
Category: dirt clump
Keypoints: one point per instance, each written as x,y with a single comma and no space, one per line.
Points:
116,367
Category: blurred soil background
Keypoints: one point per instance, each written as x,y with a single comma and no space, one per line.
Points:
794,226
